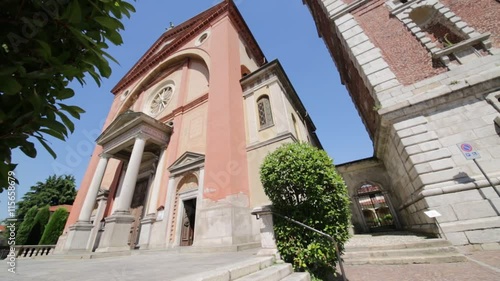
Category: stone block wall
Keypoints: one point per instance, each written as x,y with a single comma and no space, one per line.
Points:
422,109
357,173
428,170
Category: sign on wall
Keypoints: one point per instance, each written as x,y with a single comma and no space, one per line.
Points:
468,151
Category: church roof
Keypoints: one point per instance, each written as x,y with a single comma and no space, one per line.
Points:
183,33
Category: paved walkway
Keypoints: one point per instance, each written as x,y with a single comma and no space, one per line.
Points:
154,266
165,266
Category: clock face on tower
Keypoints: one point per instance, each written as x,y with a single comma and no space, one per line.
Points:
160,100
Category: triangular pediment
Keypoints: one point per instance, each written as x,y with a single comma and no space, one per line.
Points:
188,161
176,38
127,121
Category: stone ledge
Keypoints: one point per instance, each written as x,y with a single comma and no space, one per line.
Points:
460,46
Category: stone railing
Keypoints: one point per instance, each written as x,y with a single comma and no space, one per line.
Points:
31,251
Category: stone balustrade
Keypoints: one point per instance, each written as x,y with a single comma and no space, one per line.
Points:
31,251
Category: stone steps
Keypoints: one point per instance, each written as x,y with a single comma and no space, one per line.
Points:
273,273
256,269
298,276
408,252
380,252
409,260
401,245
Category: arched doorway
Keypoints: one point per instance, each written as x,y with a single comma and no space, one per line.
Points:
376,209
185,210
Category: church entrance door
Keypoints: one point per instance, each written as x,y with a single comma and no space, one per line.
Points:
136,210
188,219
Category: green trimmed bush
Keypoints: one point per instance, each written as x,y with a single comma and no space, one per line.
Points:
55,227
301,182
26,226
41,219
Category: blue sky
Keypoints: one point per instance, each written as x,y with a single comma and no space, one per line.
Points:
284,30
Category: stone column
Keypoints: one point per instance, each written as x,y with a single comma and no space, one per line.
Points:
169,202
88,204
152,207
199,206
101,207
79,233
150,218
130,179
267,238
117,229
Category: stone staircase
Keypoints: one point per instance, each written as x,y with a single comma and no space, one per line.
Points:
399,248
256,269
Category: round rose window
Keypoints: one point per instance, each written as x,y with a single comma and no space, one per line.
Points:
160,101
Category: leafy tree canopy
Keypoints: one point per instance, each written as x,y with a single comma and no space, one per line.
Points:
56,190
301,182
44,45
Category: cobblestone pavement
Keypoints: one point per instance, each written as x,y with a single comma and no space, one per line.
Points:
485,267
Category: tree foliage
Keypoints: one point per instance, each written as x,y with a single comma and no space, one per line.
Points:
26,226
301,182
41,220
44,45
55,227
56,190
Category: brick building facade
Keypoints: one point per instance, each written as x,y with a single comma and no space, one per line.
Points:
424,76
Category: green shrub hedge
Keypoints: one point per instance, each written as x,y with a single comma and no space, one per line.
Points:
26,226
41,219
302,183
55,227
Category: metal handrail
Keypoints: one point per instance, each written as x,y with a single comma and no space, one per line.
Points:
321,233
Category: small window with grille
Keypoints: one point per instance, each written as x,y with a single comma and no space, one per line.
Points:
265,113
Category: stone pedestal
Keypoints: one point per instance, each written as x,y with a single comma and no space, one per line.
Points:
78,236
221,226
267,238
116,233
145,235
61,242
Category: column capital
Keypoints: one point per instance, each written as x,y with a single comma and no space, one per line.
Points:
142,136
105,155
102,194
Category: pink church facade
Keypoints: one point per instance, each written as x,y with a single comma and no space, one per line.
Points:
178,159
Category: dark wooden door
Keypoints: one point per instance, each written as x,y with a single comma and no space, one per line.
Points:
136,210
188,219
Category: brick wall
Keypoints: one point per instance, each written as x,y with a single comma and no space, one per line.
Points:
407,58
483,15
349,75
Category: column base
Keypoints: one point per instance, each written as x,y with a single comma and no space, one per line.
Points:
269,252
61,242
116,233
78,236
145,235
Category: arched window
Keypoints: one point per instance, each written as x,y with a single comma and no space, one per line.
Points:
265,114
